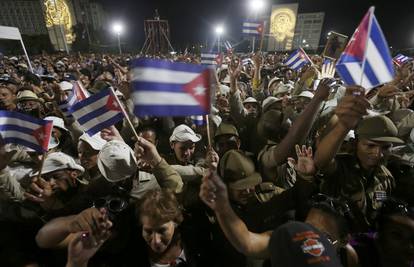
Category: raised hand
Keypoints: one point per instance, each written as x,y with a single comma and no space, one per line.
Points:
328,71
110,134
81,249
212,159
40,190
352,107
305,164
324,88
213,192
147,152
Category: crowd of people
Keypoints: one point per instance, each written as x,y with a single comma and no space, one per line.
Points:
301,170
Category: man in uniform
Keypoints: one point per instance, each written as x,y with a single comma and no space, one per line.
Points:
362,178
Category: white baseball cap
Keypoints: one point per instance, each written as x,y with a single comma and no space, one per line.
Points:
306,94
250,100
66,86
59,161
57,122
95,141
116,161
183,133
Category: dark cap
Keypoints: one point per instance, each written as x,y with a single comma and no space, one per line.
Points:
226,129
378,128
270,124
238,170
300,244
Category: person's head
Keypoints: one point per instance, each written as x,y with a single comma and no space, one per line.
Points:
331,216
7,98
272,125
251,105
396,232
226,138
300,244
116,161
182,142
238,172
272,102
28,103
159,214
150,134
88,149
61,171
374,138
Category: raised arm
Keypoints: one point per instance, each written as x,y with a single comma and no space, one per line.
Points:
214,193
349,111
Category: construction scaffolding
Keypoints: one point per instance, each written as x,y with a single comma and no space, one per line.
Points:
157,37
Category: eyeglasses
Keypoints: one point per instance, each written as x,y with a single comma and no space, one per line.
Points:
113,204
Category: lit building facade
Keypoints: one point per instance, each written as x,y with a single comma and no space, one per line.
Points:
308,30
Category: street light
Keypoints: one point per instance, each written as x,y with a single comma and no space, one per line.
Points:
219,30
118,28
257,5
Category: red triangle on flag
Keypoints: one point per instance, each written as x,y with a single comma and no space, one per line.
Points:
356,46
42,135
199,88
112,103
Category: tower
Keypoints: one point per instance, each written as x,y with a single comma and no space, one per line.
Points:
157,36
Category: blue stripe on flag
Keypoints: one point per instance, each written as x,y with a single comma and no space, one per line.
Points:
13,127
167,110
93,114
164,64
105,124
21,116
89,100
344,73
157,87
373,79
381,43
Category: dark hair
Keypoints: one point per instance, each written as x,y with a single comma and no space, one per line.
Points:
160,205
338,209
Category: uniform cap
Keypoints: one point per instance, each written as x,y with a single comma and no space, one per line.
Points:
378,128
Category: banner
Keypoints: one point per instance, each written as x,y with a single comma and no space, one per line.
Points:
11,33
282,27
335,45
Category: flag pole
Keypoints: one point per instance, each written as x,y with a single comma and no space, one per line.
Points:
306,55
42,161
131,126
371,13
208,130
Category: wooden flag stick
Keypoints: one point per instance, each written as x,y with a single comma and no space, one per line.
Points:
208,131
42,161
131,126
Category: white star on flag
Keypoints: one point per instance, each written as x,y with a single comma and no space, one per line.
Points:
199,90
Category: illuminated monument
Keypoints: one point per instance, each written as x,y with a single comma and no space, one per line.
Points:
282,27
59,21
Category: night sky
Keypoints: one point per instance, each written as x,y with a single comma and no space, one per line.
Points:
193,20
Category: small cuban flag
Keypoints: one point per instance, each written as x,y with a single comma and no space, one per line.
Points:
22,129
400,59
164,88
366,60
77,94
198,120
252,28
98,111
297,60
210,58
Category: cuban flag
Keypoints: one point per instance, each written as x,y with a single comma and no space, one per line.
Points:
31,132
297,60
400,59
198,120
210,58
247,61
78,94
228,46
98,111
252,27
164,88
366,60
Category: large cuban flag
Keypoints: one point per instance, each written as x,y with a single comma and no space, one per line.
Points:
18,128
164,88
366,60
